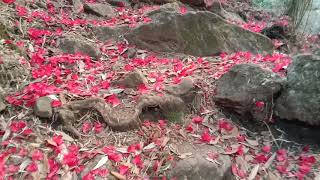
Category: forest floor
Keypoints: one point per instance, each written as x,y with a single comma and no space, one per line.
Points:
33,148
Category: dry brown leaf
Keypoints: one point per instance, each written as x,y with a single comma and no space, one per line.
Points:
272,176
254,172
215,141
165,141
252,142
270,160
65,136
242,163
51,142
118,175
185,155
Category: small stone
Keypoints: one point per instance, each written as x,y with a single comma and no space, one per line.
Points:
196,166
99,9
73,45
43,108
134,79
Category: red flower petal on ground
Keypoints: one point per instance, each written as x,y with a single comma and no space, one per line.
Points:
137,161
281,155
197,120
27,132
224,124
108,149
37,155
261,158
53,168
205,137
189,128
113,99
17,126
71,159
89,176
116,157
282,169
98,127
56,103
162,123
304,169
33,167
266,149
57,139
103,172
86,127
259,104
241,138
155,166
183,10
8,1
105,85
142,88
123,169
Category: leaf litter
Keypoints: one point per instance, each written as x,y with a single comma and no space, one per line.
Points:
31,149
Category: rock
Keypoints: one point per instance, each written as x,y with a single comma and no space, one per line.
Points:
77,6
245,85
43,108
200,3
196,33
134,79
72,45
99,9
186,90
300,100
198,167
153,1
119,3
103,33
276,32
12,72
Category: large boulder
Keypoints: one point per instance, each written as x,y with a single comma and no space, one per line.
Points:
247,89
73,45
301,98
197,166
99,9
196,33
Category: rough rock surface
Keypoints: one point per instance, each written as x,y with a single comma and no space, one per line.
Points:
198,167
134,79
12,72
104,10
73,45
186,90
245,85
42,107
301,98
196,33
104,33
